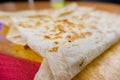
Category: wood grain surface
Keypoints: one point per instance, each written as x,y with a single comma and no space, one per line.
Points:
104,67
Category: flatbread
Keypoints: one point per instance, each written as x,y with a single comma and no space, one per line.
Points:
44,15
70,42
13,35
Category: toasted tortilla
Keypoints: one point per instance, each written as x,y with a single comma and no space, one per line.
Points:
69,43
44,15
13,35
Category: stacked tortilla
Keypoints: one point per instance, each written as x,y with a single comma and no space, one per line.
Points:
68,39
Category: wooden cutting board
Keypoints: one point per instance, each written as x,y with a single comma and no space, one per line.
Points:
104,67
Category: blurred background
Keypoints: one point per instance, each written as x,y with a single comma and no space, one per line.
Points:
110,1
17,5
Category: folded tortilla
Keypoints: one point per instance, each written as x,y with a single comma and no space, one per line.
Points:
13,35
70,42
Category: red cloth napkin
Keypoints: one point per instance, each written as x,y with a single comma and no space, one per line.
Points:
12,68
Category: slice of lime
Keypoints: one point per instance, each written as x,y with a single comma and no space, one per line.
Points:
58,5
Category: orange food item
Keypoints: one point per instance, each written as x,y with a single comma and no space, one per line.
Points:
17,50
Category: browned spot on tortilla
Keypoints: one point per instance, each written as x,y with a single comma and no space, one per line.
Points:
70,24
76,36
56,37
53,38
38,24
87,34
20,24
26,47
56,42
46,37
26,25
81,26
69,38
54,49
73,37
60,28
65,22
58,34
69,41
54,30
47,27
82,62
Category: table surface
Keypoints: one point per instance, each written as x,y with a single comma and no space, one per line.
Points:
11,6
105,67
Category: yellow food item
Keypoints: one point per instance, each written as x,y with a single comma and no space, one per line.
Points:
25,52
17,50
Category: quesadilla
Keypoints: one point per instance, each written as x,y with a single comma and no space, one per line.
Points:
68,42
